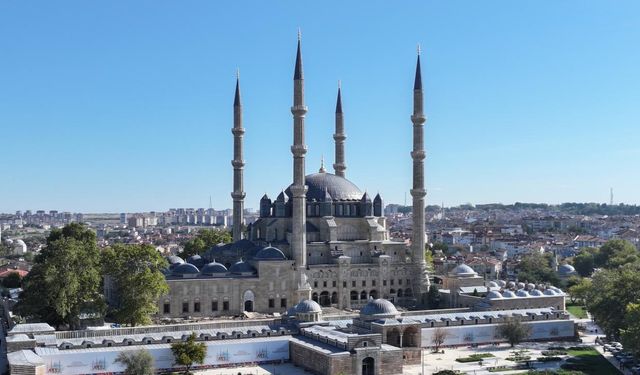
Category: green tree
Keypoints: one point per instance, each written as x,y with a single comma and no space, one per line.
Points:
630,335
136,273
203,240
13,280
188,352
514,331
610,293
139,362
536,268
440,246
433,297
65,279
584,263
615,253
580,291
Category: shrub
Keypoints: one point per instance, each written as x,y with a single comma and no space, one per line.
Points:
549,359
553,353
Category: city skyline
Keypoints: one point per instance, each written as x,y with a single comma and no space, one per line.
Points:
118,108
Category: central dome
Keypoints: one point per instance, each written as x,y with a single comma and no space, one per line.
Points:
339,188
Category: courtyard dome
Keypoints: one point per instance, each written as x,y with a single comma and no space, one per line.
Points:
185,269
241,267
462,270
307,306
536,293
522,293
494,295
270,253
214,268
339,188
508,294
531,286
550,292
493,284
379,306
196,260
520,285
502,283
566,270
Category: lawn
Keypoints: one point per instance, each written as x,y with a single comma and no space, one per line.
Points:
590,362
578,311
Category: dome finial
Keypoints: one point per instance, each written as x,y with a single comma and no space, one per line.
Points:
322,170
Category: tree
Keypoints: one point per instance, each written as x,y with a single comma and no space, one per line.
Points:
615,253
514,331
584,263
630,335
136,273
13,280
139,362
612,290
203,240
580,291
438,338
188,352
433,297
65,279
536,268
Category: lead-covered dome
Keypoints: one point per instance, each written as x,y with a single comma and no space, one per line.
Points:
185,269
379,306
494,295
242,268
566,270
196,260
339,188
214,268
462,270
270,253
307,306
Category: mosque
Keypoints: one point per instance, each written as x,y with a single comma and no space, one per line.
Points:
321,238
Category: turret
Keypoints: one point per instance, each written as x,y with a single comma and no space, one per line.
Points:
378,207
265,206
281,205
366,207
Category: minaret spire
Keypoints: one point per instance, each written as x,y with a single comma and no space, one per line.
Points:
238,193
298,149
339,137
418,192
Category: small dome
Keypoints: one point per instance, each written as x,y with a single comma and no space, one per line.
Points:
521,285
196,260
522,293
566,270
242,267
214,268
536,293
174,259
185,269
511,284
531,286
462,270
502,283
550,292
493,295
270,253
508,294
307,306
378,306
493,284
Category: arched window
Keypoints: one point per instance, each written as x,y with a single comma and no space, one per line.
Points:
400,294
354,295
363,295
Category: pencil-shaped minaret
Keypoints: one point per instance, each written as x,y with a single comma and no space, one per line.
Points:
299,149
340,166
238,193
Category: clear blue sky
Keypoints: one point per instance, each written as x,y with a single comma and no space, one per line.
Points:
116,106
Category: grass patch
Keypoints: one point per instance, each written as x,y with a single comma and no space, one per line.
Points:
578,311
474,357
589,362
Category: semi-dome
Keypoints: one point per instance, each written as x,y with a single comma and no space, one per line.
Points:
241,267
214,268
307,306
270,253
494,295
185,269
379,306
462,270
508,294
566,270
196,260
339,188
522,293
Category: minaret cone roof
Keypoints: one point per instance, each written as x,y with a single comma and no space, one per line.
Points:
298,71
339,101
417,85
236,100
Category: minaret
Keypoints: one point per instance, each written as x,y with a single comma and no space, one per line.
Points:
418,191
299,149
339,137
238,193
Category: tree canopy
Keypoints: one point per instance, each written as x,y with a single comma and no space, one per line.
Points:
514,331
536,268
136,274
188,352
203,240
12,280
139,362
65,279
